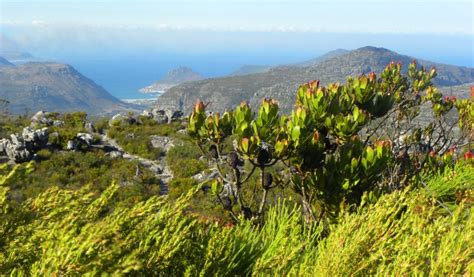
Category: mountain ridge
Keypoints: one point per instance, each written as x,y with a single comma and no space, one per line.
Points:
54,87
281,82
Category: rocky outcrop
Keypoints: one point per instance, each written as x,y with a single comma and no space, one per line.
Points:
80,142
122,117
164,143
163,116
42,118
21,147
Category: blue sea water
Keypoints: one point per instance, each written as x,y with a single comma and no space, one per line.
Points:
124,76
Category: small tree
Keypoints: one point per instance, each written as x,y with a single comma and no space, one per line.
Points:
335,145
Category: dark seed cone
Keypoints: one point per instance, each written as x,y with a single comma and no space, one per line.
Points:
227,203
233,159
213,152
263,156
247,213
267,180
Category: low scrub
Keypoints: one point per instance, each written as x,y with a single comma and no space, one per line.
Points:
65,231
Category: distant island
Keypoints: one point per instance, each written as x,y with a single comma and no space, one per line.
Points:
173,78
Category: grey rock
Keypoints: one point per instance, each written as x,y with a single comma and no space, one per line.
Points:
206,176
159,116
71,145
58,123
41,117
16,149
147,113
165,143
122,117
115,154
183,131
21,147
85,138
3,144
36,139
89,127
173,115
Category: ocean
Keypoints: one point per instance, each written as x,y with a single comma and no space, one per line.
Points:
124,76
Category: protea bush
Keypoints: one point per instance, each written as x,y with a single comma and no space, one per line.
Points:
340,141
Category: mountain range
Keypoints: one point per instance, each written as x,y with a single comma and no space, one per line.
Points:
53,87
281,82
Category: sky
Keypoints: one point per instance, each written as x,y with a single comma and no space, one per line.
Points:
372,16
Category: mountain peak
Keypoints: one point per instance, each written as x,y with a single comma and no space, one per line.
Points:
182,74
374,49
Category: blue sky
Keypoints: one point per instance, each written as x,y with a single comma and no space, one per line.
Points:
438,30
446,17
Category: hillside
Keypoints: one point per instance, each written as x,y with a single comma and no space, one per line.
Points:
327,56
53,87
281,82
174,77
5,62
250,69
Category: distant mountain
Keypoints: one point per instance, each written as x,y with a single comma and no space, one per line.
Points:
5,62
327,56
250,69
53,87
11,50
281,82
460,91
174,77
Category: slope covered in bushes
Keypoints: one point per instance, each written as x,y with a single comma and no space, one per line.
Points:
70,231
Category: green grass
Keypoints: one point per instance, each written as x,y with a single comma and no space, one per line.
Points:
73,170
136,138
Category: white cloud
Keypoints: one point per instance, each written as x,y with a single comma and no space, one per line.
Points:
39,23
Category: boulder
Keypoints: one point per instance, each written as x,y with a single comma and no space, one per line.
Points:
173,115
58,123
3,145
41,117
85,138
71,145
162,116
36,139
17,151
21,147
122,117
90,128
115,154
159,116
164,143
147,113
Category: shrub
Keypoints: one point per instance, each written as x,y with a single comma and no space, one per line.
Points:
332,145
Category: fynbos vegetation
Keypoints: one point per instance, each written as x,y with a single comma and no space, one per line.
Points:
370,177
340,143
